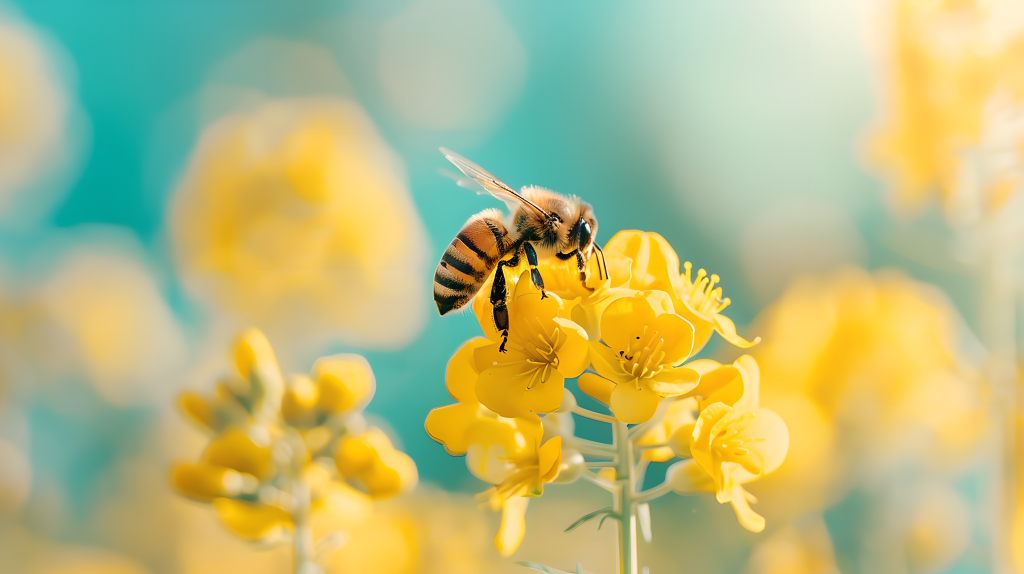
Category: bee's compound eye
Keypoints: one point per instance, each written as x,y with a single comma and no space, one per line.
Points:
585,233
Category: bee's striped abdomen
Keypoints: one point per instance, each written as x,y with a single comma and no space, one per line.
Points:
469,260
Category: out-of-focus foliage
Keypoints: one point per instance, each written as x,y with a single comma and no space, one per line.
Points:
295,215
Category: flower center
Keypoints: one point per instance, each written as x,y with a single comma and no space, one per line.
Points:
700,292
540,349
731,443
643,357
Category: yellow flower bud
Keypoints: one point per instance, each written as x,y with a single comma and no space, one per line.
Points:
373,461
252,521
345,382
198,410
299,400
236,450
204,482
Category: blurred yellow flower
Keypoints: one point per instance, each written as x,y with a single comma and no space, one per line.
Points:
642,341
804,548
866,371
268,468
295,215
947,65
106,319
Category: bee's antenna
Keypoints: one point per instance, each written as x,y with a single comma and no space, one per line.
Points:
603,264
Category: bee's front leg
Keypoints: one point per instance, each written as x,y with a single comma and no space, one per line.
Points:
499,297
531,258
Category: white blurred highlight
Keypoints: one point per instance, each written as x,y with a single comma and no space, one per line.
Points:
451,64
793,238
38,122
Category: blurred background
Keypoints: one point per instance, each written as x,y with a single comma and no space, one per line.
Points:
173,172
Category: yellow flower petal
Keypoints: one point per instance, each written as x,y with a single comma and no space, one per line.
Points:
751,399
252,350
655,265
513,525
727,329
460,377
749,519
574,350
447,425
623,318
678,336
251,521
673,382
596,387
722,385
550,459
345,382
608,364
236,450
503,389
205,482
299,400
632,405
198,410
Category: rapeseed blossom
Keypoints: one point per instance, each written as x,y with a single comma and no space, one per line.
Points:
291,456
633,326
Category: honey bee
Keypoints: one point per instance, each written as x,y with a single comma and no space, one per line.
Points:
542,224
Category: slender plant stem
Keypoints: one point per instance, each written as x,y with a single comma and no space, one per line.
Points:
998,316
587,413
592,447
593,477
623,502
652,493
303,533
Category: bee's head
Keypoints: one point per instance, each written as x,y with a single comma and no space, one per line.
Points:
584,228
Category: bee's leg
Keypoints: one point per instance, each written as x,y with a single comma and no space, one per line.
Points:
531,258
499,296
581,264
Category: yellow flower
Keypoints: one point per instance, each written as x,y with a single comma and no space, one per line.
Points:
733,447
544,348
296,216
655,266
506,452
643,340
678,420
376,464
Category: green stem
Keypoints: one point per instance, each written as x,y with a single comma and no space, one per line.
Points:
302,536
624,503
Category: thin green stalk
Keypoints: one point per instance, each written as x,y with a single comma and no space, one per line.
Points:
302,536
623,502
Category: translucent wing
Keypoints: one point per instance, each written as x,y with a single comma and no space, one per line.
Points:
482,181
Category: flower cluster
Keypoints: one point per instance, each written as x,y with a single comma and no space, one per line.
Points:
630,339
290,454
